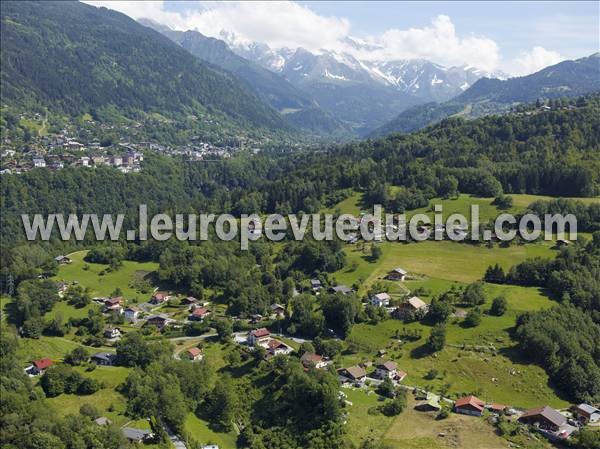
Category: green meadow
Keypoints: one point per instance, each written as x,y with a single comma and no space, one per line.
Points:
102,282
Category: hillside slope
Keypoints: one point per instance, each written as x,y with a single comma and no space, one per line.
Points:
73,58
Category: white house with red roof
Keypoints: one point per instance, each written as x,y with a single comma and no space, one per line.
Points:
258,336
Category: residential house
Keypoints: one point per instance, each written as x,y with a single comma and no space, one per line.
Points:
198,314
256,318
103,358
188,301
586,413
276,347
194,354
62,260
316,285
380,300
278,310
343,289
397,274
136,435
354,374
469,405
159,297
38,367
258,336
112,333
114,304
39,162
389,370
545,418
412,308
132,313
159,321
62,287
310,359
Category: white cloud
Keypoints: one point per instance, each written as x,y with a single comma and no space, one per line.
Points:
289,24
535,59
438,42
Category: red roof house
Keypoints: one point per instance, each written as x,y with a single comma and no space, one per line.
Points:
469,405
42,364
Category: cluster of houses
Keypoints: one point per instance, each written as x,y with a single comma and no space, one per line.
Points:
385,369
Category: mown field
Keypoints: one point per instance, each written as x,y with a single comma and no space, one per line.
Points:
130,278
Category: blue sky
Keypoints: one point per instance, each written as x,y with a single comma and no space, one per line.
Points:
517,37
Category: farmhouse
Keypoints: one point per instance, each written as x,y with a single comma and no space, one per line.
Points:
194,354
380,300
587,413
310,359
412,308
258,335
496,408
62,260
159,297
199,313
62,287
343,289
103,358
278,310
132,313
316,285
397,274
544,418
354,374
430,403
38,366
469,405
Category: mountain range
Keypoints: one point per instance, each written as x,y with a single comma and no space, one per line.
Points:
333,90
565,79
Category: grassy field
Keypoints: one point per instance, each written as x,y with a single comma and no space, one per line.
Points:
107,400
447,260
203,434
417,430
360,424
126,278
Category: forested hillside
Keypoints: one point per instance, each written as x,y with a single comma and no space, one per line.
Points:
71,58
552,153
488,96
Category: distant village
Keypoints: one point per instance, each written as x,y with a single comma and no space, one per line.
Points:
57,151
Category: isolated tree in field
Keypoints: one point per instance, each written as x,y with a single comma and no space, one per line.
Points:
474,295
499,306
473,318
376,252
439,310
77,356
437,338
